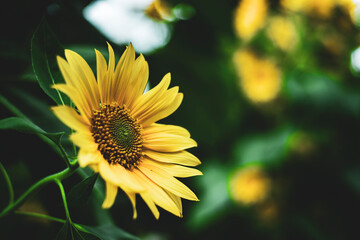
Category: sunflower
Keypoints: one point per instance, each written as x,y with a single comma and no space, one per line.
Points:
117,134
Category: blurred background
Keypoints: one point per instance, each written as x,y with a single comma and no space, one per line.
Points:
271,95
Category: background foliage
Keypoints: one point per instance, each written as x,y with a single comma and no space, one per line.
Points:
305,141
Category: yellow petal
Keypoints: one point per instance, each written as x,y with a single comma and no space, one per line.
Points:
108,173
174,169
78,99
73,80
109,76
139,78
101,69
123,72
89,157
151,97
163,128
160,104
149,201
111,191
182,157
163,113
177,201
86,75
127,178
84,140
71,118
163,142
165,180
132,197
157,194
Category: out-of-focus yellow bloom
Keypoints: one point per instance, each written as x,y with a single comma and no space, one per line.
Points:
282,32
250,185
158,10
260,79
294,5
250,16
320,8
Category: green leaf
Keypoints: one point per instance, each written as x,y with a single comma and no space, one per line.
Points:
269,148
26,126
213,199
316,92
44,49
109,232
80,193
70,231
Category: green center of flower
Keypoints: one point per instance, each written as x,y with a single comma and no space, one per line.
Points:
118,135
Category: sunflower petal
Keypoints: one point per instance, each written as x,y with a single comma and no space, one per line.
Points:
78,99
157,194
183,157
139,78
127,178
74,81
89,157
168,182
151,97
71,118
123,72
132,197
177,201
86,75
111,191
165,111
163,142
174,169
109,86
101,68
108,173
148,200
164,128
84,141
161,102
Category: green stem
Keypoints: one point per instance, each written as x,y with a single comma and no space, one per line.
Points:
62,191
34,188
8,182
39,215
51,218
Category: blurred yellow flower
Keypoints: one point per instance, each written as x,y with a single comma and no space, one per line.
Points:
320,8
282,32
250,185
158,10
249,17
260,79
294,5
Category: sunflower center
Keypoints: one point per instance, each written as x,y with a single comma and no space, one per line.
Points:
118,135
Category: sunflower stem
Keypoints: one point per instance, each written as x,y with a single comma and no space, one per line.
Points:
36,187
39,215
8,182
62,191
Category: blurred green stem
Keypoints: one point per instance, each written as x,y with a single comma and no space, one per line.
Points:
36,187
8,182
39,215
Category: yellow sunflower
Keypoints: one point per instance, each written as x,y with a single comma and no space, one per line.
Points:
116,131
